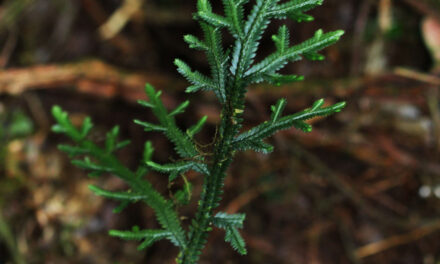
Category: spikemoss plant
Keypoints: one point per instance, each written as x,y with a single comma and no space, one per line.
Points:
232,71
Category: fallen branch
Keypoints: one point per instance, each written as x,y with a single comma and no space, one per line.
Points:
120,18
398,240
92,76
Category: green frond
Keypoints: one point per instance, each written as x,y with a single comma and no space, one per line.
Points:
184,145
183,196
122,144
178,167
73,151
86,127
293,7
224,220
213,19
122,196
197,127
267,129
106,162
111,138
316,105
149,126
244,51
148,151
279,79
255,145
230,223
199,81
300,17
64,125
179,109
204,6
217,59
215,55
121,207
87,164
234,13
231,72
145,103
234,238
281,39
314,56
278,109
148,236
195,43
277,60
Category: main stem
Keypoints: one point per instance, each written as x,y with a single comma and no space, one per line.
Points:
211,194
223,155
212,186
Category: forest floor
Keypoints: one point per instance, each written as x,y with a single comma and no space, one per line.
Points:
362,187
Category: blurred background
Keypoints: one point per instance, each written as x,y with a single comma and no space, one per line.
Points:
363,187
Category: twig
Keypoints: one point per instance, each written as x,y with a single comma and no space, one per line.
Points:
92,76
119,18
398,240
418,76
98,14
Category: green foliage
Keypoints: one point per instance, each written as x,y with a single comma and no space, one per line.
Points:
231,73
148,236
252,139
105,162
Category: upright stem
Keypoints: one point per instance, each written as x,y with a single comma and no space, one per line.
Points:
212,191
223,152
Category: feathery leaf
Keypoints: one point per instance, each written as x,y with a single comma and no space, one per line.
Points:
234,238
197,127
223,220
149,236
125,196
266,129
